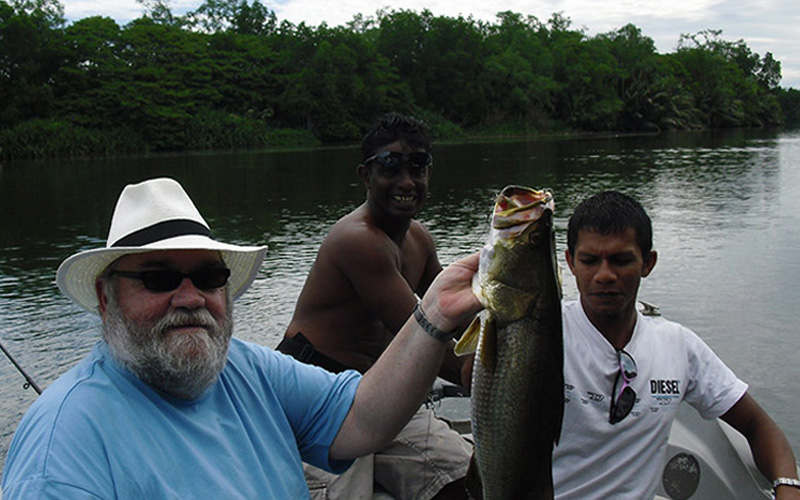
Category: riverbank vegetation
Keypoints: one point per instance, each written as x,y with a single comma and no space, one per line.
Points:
231,75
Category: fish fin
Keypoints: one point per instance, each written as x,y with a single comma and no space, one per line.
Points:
472,481
477,288
489,343
468,343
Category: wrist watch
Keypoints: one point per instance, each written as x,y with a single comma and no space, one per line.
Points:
785,481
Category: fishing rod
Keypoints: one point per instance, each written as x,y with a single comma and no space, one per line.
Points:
28,380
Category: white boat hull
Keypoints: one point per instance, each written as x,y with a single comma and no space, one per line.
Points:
706,459
709,459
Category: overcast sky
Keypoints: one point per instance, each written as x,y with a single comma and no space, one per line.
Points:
765,25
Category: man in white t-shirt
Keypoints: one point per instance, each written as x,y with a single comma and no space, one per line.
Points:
625,374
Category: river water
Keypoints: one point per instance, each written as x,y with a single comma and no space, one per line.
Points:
725,208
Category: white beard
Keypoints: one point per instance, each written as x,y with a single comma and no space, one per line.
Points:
179,364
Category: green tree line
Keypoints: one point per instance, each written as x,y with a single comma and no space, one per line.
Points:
231,75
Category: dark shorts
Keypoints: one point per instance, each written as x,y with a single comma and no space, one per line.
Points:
300,348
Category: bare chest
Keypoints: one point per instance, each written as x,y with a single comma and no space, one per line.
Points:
411,260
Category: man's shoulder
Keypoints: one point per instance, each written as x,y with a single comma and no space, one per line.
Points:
75,407
664,327
91,374
355,237
420,231
354,225
241,351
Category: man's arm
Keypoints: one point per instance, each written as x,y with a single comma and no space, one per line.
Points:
432,265
771,450
453,366
379,283
371,262
395,386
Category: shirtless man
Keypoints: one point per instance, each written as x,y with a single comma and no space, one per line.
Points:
361,290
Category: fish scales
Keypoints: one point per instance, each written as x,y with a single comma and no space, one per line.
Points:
517,379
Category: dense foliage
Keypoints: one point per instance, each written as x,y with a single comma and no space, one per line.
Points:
230,75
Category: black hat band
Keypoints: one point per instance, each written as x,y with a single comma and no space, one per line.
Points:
162,231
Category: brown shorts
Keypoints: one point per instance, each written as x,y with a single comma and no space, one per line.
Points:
424,457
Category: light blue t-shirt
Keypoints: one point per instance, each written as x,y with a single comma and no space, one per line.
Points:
98,432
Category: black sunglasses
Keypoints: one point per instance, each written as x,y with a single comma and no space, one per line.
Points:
166,280
393,159
622,401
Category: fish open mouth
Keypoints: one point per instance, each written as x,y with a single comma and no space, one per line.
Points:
516,207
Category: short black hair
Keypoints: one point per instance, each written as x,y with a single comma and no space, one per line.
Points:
611,212
393,127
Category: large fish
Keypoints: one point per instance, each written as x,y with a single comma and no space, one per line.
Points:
517,377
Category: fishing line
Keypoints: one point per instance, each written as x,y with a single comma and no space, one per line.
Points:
28,380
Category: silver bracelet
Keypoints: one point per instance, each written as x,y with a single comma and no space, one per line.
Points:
785,481
426,325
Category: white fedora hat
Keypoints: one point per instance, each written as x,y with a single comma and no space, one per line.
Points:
156,214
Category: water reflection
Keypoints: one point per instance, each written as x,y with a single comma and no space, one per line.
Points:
725,209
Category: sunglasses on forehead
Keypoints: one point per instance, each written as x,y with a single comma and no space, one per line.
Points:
622,400
166,280
393,158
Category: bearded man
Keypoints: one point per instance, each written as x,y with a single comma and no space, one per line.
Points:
170,405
